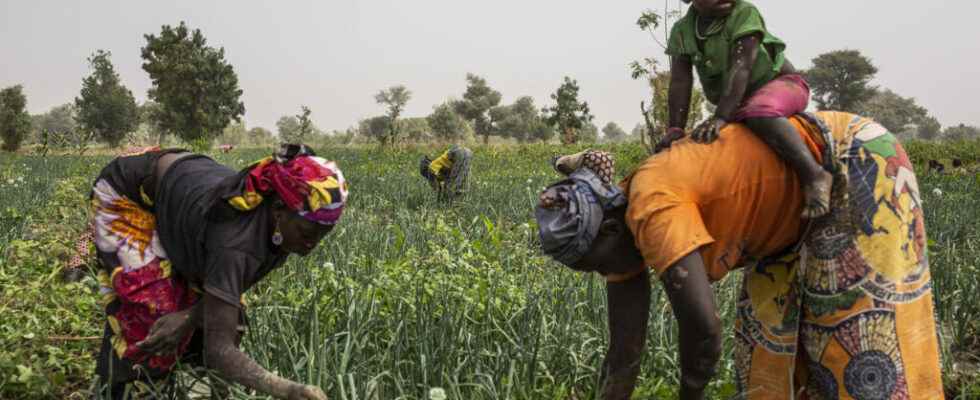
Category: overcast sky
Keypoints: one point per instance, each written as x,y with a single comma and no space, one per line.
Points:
334,55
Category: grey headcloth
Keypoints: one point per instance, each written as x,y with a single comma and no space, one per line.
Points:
570,211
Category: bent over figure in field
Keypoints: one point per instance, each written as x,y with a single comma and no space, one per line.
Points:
180,238
448,173
839,309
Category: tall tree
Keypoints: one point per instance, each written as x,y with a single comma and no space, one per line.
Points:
306,128
197,90
841,80
516,120
589,133
901,115
961,132
259,135
107,110
475,106
376,128
613,132
394,98
56,128
15,122
288,128
446,124
568,114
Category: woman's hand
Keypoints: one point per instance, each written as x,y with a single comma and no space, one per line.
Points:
168,332
708,131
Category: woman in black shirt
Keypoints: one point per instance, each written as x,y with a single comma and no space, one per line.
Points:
180,238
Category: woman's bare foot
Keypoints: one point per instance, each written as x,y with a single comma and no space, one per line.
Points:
816,196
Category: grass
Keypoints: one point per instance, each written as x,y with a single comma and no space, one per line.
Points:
407,294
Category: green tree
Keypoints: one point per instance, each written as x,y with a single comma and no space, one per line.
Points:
15,122
415,129
613,132
542,131
150,117
259,136
107,110
306,129
56,128
394,98
961,132
475,106
517,120
234,134
568,114
901,115
288,128
375,128
446,124
841,80
589,133
197,90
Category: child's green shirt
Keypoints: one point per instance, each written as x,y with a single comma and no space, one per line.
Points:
712,57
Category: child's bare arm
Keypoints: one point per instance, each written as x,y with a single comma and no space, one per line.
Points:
679,93
743,57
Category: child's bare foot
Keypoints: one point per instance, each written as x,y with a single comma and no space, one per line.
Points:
816,196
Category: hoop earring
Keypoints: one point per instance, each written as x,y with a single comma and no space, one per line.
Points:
277,235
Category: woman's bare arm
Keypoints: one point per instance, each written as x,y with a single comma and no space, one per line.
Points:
219,322
629,304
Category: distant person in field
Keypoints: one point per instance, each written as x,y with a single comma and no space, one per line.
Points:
746,75
839,308
447,174
180,238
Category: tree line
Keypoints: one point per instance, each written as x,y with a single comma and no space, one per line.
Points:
195,98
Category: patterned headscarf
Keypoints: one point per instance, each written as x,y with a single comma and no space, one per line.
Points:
313,187
570,211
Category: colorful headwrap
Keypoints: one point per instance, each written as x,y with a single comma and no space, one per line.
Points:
570,211
313,187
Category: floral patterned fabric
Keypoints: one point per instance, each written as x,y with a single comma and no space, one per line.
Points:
137,285
850,315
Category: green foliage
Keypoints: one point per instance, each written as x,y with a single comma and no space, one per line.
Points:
961,132
416,129
447,125
613,132
196,89
259,136
475,106
407,294
841,80
375,128
15,122
900,114
519,120
306,128
106,109
394,98
589,133
568,114
288,127
56,129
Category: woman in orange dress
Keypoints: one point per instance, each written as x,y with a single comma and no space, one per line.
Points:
840,308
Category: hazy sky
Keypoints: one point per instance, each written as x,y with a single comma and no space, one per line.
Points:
334,55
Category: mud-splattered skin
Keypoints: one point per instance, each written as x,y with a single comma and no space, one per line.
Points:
691,297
